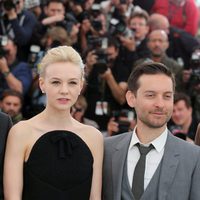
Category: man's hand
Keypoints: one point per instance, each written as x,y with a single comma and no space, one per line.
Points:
129,43
91,59
85,26
3,65
11,14
112,126
106,74
186,75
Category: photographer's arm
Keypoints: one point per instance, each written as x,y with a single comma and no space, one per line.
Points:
11,80
118,89
85,28
53,19
91,59
23,32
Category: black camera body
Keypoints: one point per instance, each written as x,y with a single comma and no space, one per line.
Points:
177,131
195,66
123,124
10,4
102,58
97,25
118,27
94,42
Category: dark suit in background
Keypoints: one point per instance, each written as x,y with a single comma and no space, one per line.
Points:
5,125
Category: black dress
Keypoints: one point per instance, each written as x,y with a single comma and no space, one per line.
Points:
60,167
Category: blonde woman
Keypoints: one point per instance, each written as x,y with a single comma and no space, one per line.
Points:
53,156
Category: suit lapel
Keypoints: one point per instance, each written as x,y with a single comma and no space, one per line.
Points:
169,166
118,162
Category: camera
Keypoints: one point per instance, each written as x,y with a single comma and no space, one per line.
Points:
177,131
195,66
10,4
97,25
3,42
102,58
122,118
68,22
95,42
118,27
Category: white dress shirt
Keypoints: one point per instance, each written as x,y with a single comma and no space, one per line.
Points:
153,158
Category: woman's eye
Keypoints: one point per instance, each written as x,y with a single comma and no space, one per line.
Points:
55,82
73,83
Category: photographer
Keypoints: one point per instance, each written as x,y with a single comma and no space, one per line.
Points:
106,83
17,24
93,25
14,74
55,15
135,47
191,79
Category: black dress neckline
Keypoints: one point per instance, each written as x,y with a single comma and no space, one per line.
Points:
56,132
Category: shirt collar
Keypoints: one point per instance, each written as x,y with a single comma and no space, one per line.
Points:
158,143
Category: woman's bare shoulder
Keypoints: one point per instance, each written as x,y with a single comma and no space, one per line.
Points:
90,131
93,137
23,128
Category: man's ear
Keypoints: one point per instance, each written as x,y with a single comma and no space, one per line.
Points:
130,98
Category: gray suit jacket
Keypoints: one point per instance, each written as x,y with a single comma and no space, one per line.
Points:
179,175
5,125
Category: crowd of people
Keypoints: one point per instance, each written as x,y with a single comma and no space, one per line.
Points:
74,72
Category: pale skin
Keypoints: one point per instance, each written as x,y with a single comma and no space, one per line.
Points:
62,84
153,103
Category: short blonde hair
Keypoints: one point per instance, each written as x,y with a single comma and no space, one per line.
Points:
61,54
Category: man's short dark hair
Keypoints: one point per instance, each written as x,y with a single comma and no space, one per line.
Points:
140,14
148,68
10,92
180,96
55,1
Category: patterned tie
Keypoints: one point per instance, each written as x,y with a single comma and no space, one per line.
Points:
138,176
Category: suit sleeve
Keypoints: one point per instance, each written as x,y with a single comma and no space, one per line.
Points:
195,192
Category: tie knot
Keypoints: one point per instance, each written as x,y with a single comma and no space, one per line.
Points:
144,150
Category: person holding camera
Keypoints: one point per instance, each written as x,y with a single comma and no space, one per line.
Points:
18,24
191,80
135,46
121,122
106,83
14,74
55,15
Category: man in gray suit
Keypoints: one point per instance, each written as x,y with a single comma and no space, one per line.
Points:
171,167
5,125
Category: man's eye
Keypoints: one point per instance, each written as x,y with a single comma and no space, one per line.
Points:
149,95
168,96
